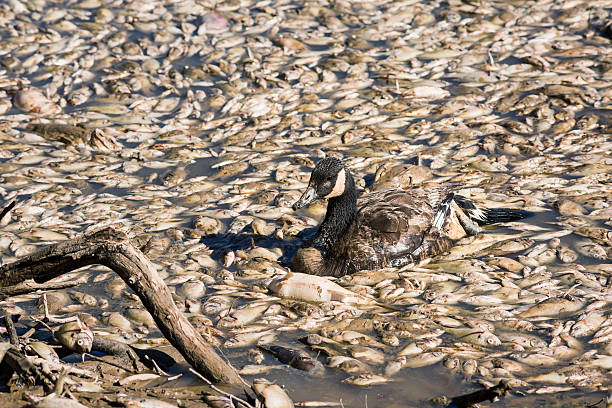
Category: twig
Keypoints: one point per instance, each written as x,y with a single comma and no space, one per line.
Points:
157,367
227,394
570,290
110,363
223,356
59,383
43,323
57,319
28,334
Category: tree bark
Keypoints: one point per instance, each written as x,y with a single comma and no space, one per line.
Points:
113,249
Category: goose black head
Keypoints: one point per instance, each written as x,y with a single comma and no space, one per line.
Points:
328,180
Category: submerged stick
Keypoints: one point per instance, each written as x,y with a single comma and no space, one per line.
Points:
488,394
112,248
6,209
29,286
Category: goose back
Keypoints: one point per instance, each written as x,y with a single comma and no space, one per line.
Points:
389,224
388,227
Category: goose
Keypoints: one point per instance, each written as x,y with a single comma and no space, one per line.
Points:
384,228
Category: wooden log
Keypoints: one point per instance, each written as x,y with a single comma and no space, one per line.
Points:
113,249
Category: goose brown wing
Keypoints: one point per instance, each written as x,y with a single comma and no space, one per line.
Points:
394,222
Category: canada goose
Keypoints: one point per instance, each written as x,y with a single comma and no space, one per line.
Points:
383,228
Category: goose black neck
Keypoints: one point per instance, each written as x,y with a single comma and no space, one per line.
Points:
340,213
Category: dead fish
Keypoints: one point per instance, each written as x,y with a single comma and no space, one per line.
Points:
566,254
44,351
525,340
410,350
597,233
116,320
554,307
191,289
587,325
44,235
474,245
75,336
64,133
313,288
32,100
349,365
296,359
602,361
535,359
53,401
364,380
367,354
135,402
553,377
400,176
475,336
246,339
243,316
219,401
174,177
272,395
257,369
422,360
353,337
510,246
590,249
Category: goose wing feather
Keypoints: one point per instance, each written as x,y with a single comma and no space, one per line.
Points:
391,223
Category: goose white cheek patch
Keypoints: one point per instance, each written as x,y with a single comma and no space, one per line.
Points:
340,184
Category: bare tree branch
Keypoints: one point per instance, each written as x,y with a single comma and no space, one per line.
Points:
113,249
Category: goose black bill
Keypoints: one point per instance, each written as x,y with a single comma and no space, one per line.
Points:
308,197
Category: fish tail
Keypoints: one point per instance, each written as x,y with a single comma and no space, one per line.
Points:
484,216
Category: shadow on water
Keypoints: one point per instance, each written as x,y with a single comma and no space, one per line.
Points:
222,243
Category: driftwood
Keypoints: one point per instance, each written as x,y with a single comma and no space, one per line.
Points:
112,248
